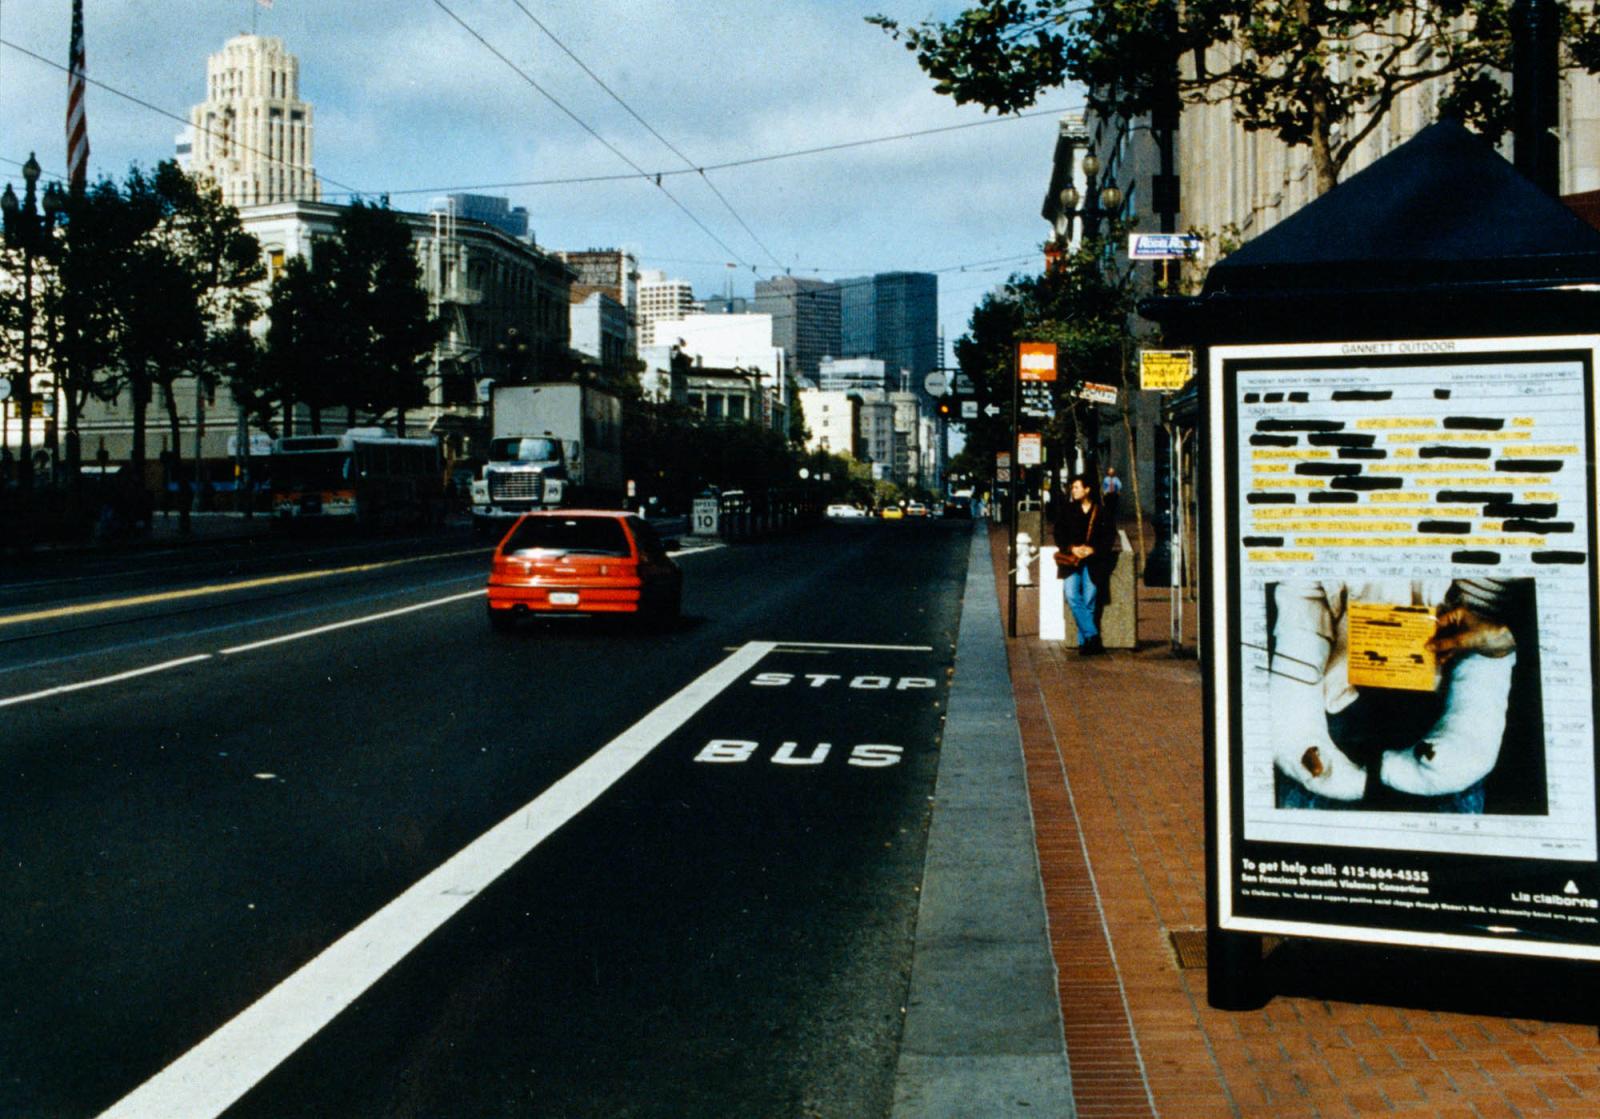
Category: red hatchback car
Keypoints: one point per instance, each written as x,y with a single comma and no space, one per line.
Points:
574,562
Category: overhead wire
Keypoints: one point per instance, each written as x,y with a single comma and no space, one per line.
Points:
668,144
143,104
490,47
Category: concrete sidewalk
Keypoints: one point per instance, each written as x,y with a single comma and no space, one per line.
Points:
1113,750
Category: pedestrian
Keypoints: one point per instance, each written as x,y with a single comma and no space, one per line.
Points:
1083,535
1111,493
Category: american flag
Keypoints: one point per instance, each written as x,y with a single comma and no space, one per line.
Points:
77,124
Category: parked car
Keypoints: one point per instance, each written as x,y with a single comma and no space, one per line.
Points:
581,562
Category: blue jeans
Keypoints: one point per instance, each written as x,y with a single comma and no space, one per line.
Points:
1081,594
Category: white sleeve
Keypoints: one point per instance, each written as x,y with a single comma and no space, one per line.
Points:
1464,744
1302,644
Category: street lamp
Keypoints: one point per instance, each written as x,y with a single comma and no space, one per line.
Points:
28,230
1109,200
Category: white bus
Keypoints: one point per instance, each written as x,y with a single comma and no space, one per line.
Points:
364,475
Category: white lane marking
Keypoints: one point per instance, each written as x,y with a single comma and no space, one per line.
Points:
841,645
82,684
214,1074
301,634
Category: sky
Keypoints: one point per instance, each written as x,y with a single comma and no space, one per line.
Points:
407,101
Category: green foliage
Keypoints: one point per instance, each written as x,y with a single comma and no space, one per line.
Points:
1084,307
351,327
1311,72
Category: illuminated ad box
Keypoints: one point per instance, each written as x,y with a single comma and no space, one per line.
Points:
1404,619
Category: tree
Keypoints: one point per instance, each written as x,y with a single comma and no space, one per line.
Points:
388,334
304,359
1314,73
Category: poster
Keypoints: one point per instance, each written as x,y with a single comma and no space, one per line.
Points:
1404,731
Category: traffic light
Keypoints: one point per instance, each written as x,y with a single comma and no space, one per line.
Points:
944,409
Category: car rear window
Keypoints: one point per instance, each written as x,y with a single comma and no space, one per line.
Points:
593,536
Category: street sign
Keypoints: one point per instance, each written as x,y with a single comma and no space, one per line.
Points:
969,409
962,385
1002,466
1098,394
1165,246
991,410
1030,448
1036,361
1165,370
934,384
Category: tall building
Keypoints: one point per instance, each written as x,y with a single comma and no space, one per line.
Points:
892,316
805,319
661,298
487,208
252,134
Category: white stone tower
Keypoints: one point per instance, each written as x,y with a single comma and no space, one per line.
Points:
252,134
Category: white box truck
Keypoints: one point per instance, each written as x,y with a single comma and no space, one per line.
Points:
553,445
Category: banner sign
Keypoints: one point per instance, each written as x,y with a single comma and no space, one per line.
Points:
1098,394
1165,246
1036,361
1165,370
1402,724
1030,448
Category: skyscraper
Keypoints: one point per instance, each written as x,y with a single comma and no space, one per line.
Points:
892,316
661,299
252,134
805,320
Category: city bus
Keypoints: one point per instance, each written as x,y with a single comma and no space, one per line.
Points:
363,476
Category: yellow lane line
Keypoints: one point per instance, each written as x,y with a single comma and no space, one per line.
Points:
218,588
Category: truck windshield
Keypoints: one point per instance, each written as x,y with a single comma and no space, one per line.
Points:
525,450
594,536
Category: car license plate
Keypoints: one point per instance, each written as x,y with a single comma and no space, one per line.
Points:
563,598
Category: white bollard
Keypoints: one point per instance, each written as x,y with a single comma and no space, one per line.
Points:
1024,559
1052,606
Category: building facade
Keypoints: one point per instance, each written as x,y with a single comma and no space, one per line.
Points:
661,297
892,316
612,272
252,135
486,208
600,332
832,421
805,320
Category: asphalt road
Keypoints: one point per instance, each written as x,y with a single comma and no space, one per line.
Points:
287,831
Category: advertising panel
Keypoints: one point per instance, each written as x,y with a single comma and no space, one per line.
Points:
1405,614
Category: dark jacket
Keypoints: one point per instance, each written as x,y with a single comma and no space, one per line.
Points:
1095,528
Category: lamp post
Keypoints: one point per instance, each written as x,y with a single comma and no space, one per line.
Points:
28,230
1104,203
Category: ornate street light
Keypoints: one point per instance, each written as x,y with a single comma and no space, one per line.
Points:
1109,200
29,230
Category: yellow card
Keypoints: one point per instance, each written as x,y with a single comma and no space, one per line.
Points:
1388,647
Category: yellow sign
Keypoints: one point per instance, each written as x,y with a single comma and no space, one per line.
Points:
1165,370
1389,647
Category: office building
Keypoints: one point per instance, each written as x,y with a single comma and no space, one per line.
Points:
805,320
892,316
487,208
252,134
661,298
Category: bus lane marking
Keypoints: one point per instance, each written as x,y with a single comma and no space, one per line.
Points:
217,1072
790,752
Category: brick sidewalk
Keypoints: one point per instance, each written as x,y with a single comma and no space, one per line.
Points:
1113,754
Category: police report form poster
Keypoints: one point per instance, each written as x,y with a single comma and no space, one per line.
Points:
1409,707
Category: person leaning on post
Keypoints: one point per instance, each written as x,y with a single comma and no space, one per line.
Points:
1084,534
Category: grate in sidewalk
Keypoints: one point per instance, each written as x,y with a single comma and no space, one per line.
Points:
1189,945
